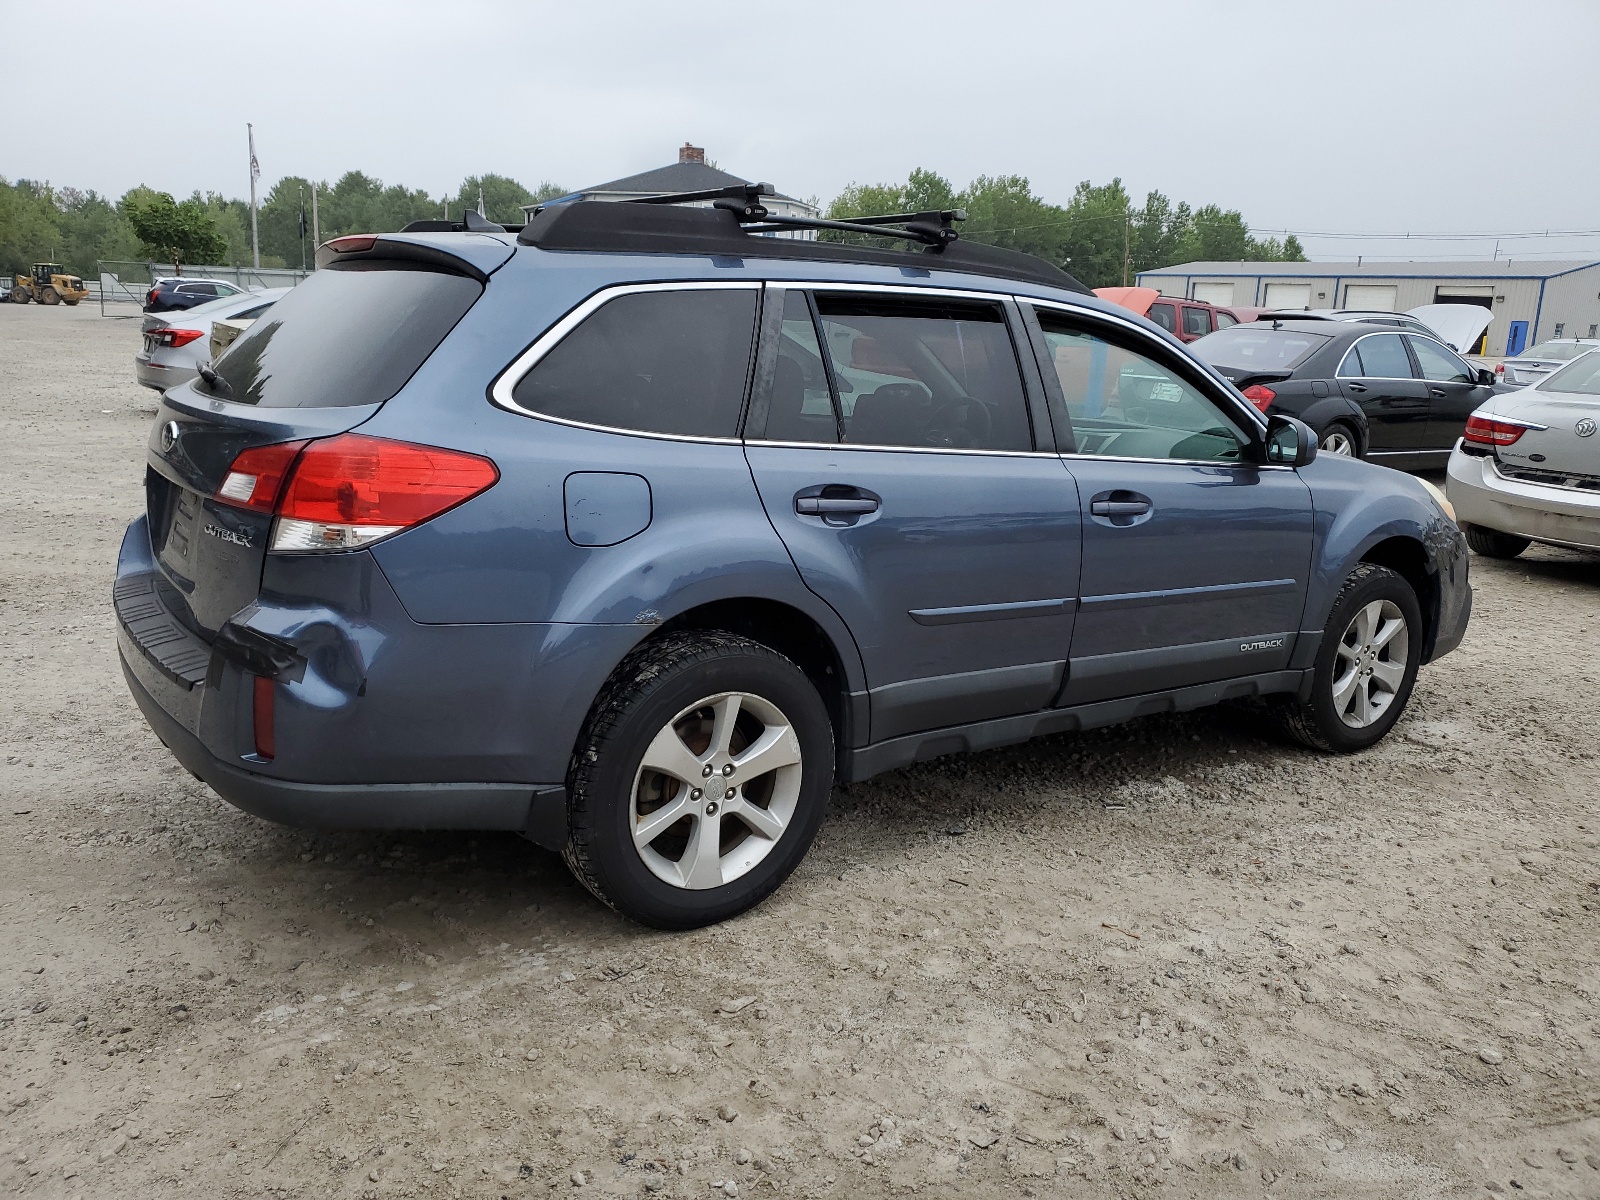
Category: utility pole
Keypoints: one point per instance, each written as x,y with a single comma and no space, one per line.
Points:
302,229
1126,247
481,213
255,173
316,230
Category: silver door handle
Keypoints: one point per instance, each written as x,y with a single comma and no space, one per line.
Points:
816,506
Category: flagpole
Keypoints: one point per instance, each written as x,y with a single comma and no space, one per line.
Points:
255,171
302,230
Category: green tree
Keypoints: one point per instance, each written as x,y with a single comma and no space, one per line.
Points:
30,227
176,232
503,198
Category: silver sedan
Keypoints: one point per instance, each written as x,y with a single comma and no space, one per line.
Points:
176,343
1528,467
1536,362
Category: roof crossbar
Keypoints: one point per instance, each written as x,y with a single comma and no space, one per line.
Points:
743,200
739,191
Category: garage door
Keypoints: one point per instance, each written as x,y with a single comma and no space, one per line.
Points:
1214,293
1288,295
1379,297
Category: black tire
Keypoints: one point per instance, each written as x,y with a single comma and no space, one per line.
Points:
49,295
1491,543
1342,429
20,295
1317,722
657,683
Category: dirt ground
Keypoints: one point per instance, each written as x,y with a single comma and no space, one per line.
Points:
1168,959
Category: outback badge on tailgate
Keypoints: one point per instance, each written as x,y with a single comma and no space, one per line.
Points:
229,535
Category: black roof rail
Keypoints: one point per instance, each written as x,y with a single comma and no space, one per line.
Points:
662,228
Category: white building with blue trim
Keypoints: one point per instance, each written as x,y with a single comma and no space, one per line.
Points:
1532,300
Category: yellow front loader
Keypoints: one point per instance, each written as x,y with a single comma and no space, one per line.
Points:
48,283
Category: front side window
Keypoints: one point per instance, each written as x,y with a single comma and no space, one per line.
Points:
931,374
1163,316
1123,404
1382,356
671,361
1196,322
1438,364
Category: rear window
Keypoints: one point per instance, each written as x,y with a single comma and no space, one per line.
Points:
671,361
1556,351
1582,377
1163,316
1254,348
350,335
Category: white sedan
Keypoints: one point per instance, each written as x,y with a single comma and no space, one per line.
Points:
1528,467
1534,363
176,343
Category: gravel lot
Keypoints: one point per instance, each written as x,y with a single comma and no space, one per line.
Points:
1173,958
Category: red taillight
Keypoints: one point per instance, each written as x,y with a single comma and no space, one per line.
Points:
150,296
1499,368
353,244
1260,395
178,337
264,717
257,476
350,490
1486,431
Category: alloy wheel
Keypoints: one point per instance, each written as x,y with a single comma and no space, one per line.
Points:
1371,663
715,791
1337,441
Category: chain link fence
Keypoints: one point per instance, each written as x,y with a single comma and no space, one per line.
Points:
127,282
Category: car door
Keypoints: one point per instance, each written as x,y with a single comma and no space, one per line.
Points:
1453,392
1195,557
1377,374
900,470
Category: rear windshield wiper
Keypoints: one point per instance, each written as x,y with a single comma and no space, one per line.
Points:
216,383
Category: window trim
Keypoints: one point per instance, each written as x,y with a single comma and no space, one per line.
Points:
1410,358
500,391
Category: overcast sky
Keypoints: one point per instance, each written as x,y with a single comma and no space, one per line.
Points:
1313,116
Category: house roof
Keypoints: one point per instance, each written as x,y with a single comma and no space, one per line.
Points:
675,177
1539,268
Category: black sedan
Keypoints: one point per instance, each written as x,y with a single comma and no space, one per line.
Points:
1398,398
172,294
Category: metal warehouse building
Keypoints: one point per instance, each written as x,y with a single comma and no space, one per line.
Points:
1531,301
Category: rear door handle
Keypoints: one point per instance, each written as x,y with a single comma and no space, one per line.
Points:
816,506
1119,508
1356,387
1439,392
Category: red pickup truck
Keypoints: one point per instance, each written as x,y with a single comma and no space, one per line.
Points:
1186,320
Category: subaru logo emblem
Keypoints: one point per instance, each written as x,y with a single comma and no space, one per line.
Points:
169,436
1585,427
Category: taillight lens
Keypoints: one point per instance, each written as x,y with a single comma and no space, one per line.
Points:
1499,368
257,476
178,337
351,490
1260,395
1486,431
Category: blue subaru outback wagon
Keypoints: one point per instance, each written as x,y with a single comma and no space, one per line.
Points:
637,529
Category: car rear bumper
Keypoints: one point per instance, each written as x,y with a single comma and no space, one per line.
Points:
534,809
156,375
1557,515
380,722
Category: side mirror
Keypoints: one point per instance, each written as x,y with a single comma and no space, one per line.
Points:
1485,377
1290,442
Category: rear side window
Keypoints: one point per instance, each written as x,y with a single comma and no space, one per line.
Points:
925,374
349,335
1196,321
1226,319
1382,356
1163,316
652,362
801,409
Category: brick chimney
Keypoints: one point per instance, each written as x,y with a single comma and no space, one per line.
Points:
692,154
